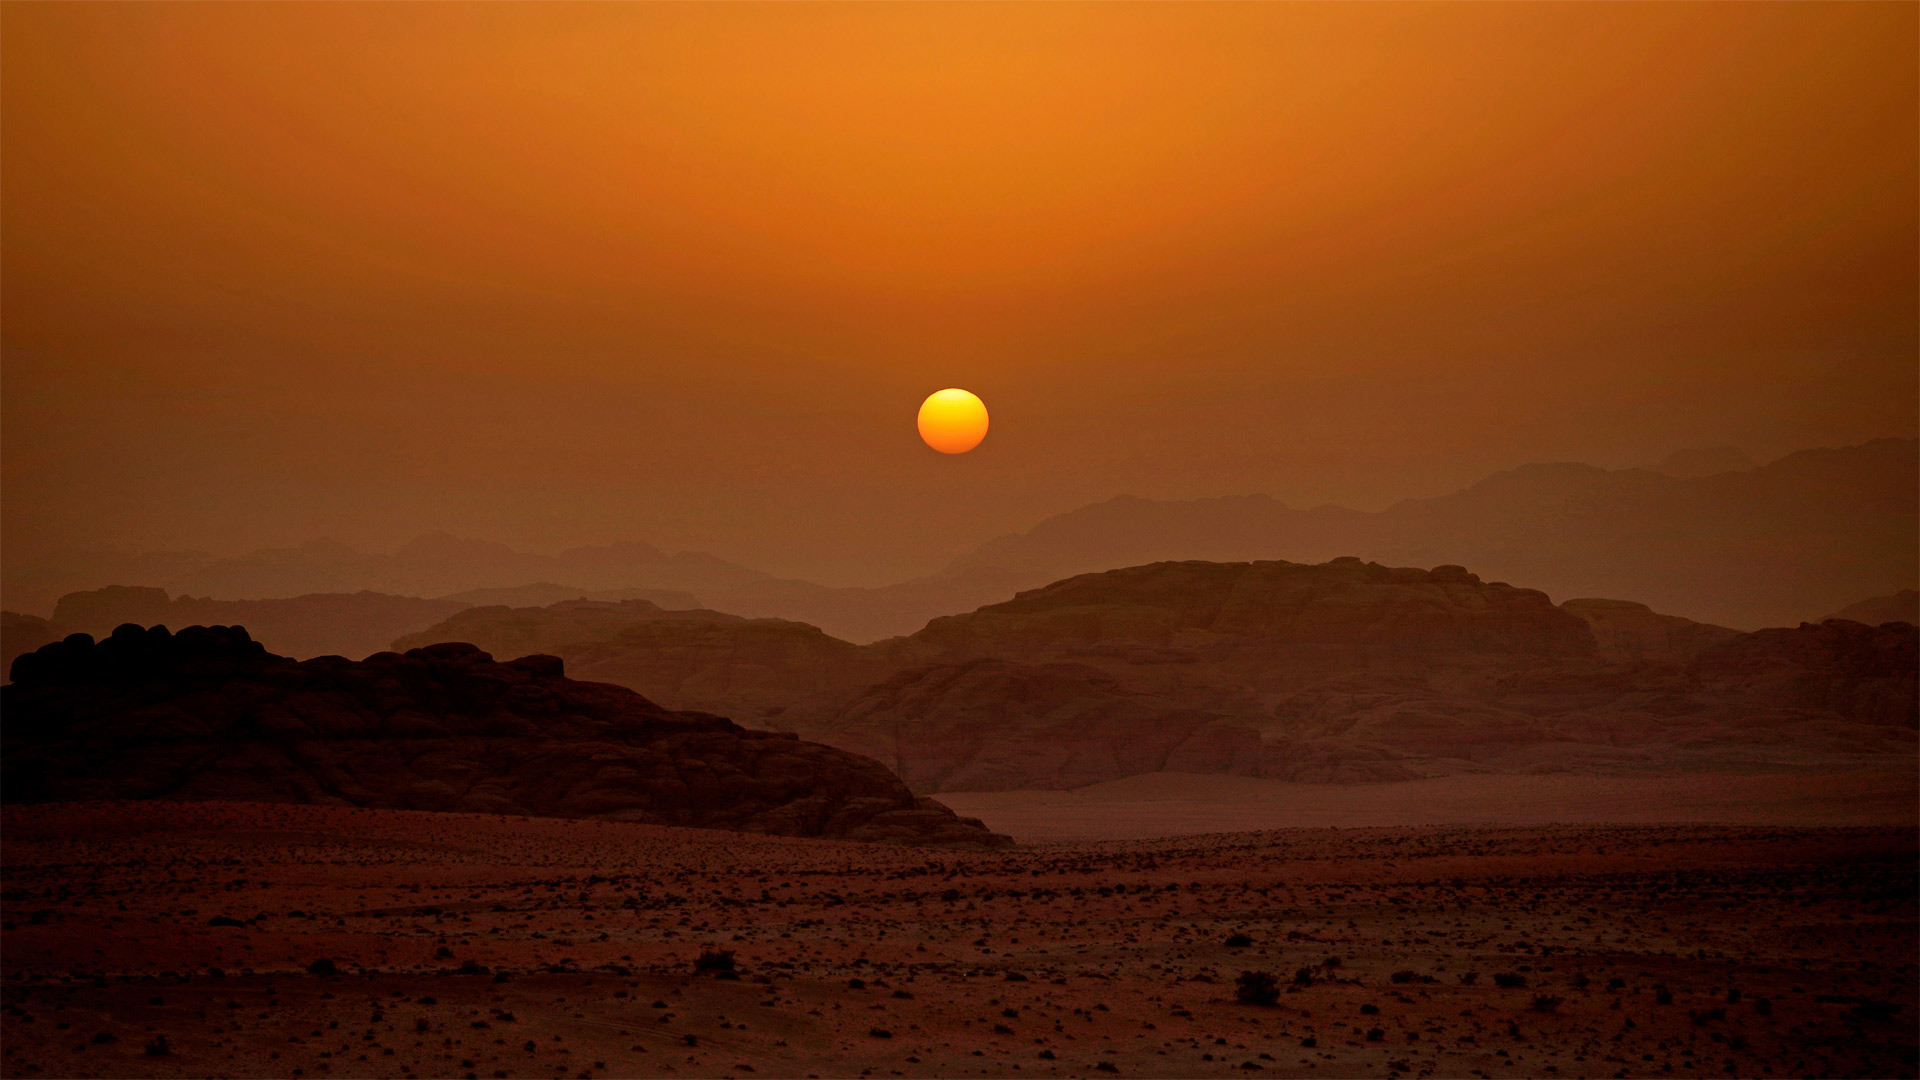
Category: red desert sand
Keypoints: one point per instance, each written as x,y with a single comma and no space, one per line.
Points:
233,939
1176,804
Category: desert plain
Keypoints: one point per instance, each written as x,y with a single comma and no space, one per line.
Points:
236,939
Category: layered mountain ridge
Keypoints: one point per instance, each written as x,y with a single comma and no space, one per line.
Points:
1711,539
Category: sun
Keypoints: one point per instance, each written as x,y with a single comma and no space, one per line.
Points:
953,421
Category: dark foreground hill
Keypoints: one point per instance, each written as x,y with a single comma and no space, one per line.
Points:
1344,671
209,714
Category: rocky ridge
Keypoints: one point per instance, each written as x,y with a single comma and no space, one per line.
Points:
1339,672
208,713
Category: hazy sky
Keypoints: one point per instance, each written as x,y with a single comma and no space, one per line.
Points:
555,274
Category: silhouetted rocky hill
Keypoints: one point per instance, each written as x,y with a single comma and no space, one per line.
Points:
207,713
323,624
319,624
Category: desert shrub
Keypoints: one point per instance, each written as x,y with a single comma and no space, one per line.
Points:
1581,982
159,1047
1662,996
1879,1011
1763,1006
880,1033
1707,1016
1468,978
714,960
1369,1009
1733,996
323,966
1375,1034
1403,976
1616,983
1330,963
1545,1002
1239,941
1509,980
1303,977
1257,988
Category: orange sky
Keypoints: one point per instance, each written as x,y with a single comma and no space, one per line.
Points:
565,273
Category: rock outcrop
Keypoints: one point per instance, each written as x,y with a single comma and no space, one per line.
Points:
1860,673
1626,631
318,624
1351,671
991,724
1339,672
744,669
1265,625
208,713
23,634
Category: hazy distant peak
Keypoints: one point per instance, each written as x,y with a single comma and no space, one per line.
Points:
1903,606
443,545
625,551
1696,461
1534,475
324,545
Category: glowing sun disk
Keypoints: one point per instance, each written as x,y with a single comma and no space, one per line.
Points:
953,421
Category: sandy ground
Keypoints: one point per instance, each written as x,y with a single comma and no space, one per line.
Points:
1185,804
457,945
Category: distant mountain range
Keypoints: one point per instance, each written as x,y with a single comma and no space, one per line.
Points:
1775,544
